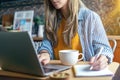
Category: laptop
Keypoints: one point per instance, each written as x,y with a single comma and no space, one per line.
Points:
18,54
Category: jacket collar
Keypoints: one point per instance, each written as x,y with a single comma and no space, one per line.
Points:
81,13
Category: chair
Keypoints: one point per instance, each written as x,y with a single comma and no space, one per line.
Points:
113,43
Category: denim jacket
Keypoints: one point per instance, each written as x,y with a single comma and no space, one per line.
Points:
92,36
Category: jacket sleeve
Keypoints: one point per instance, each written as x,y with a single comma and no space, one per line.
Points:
100,39
46,45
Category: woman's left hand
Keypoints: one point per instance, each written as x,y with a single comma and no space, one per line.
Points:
100,63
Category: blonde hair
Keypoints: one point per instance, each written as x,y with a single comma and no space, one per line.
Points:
52,16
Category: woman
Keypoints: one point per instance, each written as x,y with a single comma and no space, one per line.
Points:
70,25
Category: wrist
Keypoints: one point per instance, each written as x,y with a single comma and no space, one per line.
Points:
44,52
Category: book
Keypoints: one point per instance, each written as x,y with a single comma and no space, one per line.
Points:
84,70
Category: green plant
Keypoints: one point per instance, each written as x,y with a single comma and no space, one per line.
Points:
39,20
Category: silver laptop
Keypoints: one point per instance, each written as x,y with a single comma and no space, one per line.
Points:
18,54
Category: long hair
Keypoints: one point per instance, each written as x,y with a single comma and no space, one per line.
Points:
51,21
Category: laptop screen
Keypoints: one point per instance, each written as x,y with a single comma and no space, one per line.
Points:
18,53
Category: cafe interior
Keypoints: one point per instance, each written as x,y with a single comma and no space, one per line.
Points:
31,12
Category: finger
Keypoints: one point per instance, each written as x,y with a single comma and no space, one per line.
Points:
101,63
43,56
45,61
99,67
40,57
102,60
92,60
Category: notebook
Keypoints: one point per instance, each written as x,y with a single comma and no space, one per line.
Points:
18,54
84,71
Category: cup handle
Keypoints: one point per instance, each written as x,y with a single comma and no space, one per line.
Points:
81,57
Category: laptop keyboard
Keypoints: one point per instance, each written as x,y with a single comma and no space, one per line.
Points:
53,67
49,70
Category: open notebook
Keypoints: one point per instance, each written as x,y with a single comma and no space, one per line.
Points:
84,70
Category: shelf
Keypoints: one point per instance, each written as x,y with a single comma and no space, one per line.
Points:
20,3
37,38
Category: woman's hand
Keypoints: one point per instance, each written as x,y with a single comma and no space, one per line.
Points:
44,57
100,63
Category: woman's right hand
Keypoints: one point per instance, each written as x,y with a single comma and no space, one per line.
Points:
44,57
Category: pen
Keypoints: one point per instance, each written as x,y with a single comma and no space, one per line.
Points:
96,56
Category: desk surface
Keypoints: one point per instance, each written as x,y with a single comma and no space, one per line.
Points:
7,75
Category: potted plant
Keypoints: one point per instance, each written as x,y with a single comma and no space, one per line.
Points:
39,25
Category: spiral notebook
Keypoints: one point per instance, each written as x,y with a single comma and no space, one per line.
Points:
84,70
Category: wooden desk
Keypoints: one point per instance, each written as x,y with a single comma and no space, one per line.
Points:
5,75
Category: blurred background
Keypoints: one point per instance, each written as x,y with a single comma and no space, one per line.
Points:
109,10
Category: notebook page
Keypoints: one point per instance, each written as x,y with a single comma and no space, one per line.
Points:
84,70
